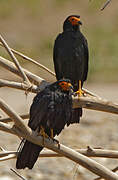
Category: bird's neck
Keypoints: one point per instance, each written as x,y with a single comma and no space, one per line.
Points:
71,28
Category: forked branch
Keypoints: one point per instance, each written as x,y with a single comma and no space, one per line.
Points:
22,130
25,79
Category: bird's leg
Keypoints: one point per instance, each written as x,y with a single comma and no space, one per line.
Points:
52,137
42,133
80,92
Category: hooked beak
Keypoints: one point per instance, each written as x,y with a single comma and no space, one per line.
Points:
70,87
79,22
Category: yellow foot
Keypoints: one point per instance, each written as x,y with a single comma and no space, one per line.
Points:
42,133
80,92
52,135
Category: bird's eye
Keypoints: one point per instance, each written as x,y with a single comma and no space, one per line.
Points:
72,19
62,83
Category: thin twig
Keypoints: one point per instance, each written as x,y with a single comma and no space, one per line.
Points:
10,66
25,79
13,170
105,5
31,60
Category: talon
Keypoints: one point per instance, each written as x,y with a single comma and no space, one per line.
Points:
55,140
80,91
52,137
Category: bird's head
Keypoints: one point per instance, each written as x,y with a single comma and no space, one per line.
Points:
72,22
65,85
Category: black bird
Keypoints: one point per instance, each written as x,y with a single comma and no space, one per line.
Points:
70,56
50,111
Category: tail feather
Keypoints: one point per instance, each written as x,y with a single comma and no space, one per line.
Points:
76,113
27,155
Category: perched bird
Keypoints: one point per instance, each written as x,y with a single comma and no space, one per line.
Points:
50,111
70,56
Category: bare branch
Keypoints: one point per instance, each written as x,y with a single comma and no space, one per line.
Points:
101,153
10,66
114,170
25,132
18,85
14,116
31,60
95,104
17,174
88,102
6,120
25,79
90,164
90,93
7,128
105,5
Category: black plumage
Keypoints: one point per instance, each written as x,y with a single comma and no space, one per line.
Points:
70,56
51,109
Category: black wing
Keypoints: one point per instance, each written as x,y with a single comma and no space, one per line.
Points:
86,54
59,112
57,63
38,109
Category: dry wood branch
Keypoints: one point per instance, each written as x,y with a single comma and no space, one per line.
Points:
14,116
33,78
6,120
25,79
31,60
105,5
13,170
18,85
63,150
74,156
7,128
10,66
114,170
101,153
88,102
95,104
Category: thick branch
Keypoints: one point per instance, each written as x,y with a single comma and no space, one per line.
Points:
95,104
10,66
88,102
22,130
72,155
18,85
23,75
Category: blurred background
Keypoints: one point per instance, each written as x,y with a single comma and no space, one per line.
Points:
31,28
